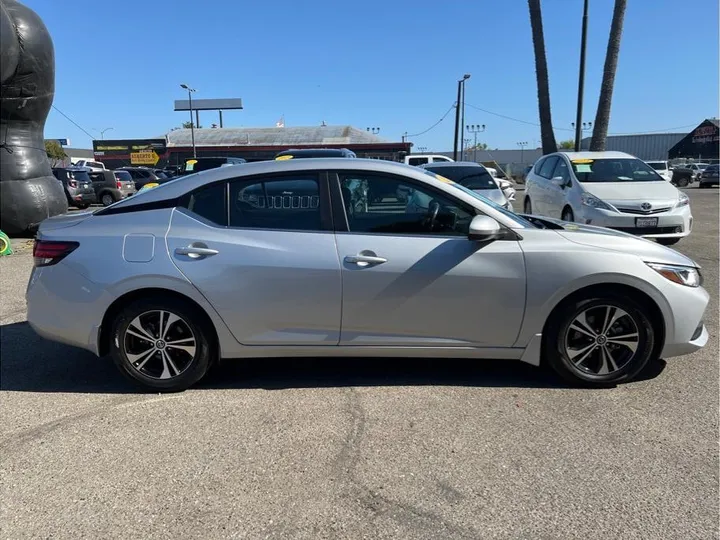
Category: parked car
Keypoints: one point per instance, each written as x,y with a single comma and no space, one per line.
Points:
609,189
662,168
141,176
709,177
424,159
696,168
194,165
90,165
266,260
109,189
77,186
681,177
296,153
473,176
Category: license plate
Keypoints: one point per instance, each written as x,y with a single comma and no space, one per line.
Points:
646,222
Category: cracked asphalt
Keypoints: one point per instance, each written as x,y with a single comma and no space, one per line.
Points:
353,448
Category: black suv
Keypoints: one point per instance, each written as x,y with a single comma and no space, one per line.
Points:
77,185
315,153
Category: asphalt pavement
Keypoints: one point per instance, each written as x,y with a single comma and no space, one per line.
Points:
353,448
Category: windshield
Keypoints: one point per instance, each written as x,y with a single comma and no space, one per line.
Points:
614,170
511,215
658,165
470,177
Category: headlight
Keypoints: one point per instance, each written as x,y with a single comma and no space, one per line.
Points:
682,275
593,202
683,200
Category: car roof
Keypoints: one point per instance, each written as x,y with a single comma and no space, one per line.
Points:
597,155
441,164
183,184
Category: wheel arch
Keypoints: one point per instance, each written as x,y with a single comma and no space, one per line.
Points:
117,305
657,318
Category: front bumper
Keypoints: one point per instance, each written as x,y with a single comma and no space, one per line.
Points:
674,223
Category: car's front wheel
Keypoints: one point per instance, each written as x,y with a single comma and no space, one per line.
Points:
667,241
527,205
600,341
161,344
567,214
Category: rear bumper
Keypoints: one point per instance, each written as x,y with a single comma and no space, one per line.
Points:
86,198
63,306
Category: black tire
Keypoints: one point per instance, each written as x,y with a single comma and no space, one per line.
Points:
667,241
188,368
82,206
558,330
107,198
527,205
702,186
682,182
567,214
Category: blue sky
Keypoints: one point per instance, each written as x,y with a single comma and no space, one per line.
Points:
392,65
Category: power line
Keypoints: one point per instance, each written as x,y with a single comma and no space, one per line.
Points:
73,122
569,129
434,125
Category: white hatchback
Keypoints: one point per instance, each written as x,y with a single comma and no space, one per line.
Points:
608,189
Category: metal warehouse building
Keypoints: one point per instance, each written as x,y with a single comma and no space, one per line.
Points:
252,144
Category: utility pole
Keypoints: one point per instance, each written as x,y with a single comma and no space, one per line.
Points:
581,77
458,125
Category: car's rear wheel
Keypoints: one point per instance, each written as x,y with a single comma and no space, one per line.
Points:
161,344
682,182
527,205
567,214
82,206
702,185
600,341
667,241
107,199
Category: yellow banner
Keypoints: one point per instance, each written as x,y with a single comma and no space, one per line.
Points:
144,158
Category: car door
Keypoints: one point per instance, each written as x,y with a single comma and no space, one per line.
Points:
544,196
262,251
558,188
410,275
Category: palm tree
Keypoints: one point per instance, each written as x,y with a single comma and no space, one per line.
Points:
543,84
602,116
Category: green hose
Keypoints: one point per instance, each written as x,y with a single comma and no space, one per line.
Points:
5,248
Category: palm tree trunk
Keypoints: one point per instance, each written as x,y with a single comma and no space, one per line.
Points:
602,116
547,136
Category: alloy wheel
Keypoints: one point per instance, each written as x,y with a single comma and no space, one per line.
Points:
601,340
159,344
107,200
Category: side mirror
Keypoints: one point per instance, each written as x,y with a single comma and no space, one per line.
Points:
559,181
484,229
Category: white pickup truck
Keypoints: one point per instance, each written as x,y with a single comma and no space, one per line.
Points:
422,159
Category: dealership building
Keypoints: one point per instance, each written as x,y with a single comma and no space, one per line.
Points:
252,144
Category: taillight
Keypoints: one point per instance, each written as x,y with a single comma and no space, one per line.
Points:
72,183
47,253
118,183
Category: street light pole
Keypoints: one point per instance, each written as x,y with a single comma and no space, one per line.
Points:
102,133
475,129
458,124
581,77
522,146
192,125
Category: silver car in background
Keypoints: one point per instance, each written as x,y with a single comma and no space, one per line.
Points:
290,258
608,189
473,176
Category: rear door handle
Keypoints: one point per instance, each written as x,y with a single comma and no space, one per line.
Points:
195,252
364,260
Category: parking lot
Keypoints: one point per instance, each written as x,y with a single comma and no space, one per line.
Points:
353,448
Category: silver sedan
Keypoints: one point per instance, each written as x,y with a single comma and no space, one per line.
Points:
293,258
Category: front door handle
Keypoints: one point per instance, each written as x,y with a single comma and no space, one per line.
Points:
195,251
364,260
